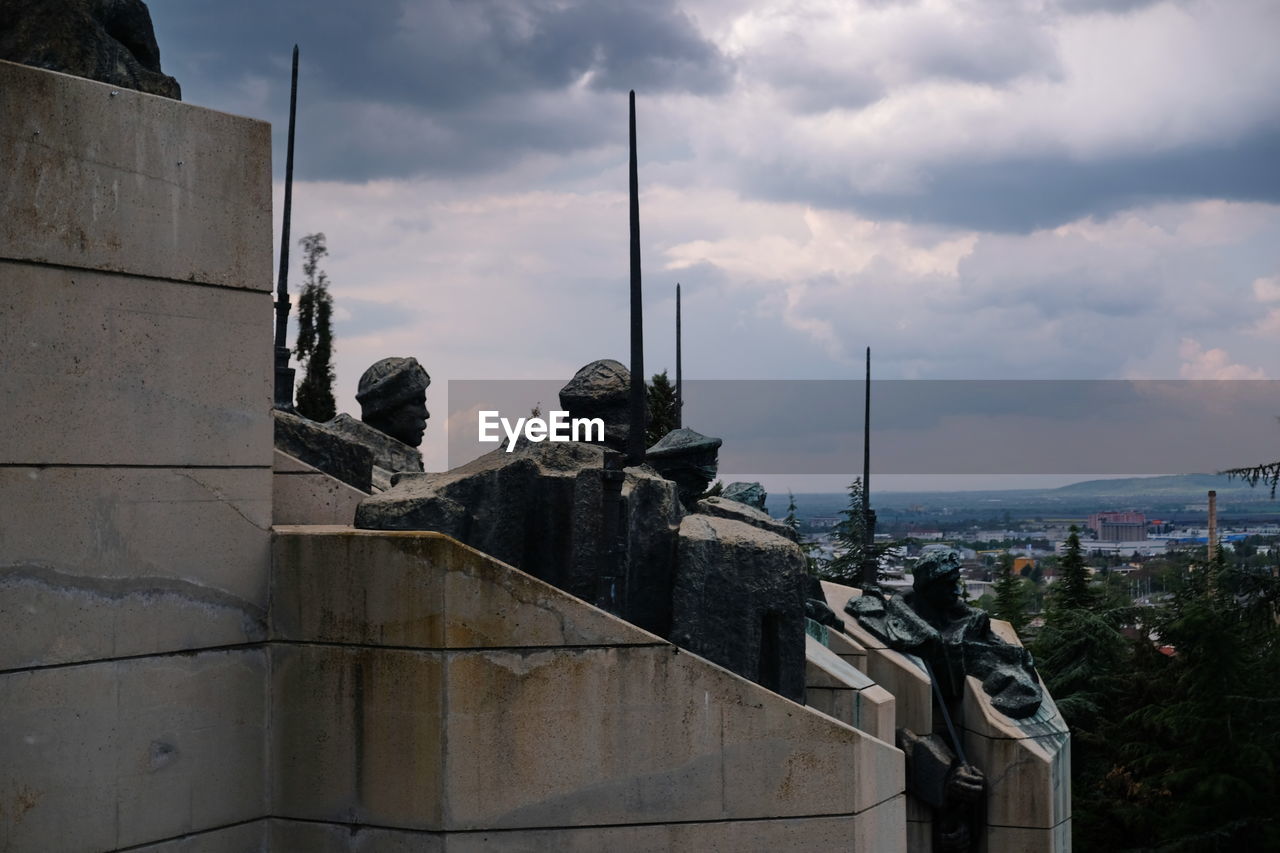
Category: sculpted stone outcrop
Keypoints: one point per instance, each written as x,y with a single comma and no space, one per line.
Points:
538,508
320,447
725,582
723,507
111,41
751,494
738,600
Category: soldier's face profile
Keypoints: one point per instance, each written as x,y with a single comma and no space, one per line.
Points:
409,421
945,590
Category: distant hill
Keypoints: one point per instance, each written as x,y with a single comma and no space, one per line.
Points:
1189,485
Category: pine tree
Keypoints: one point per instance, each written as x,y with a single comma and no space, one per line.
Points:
789,520
850,539
1084,662
662,409
1072,591
1206,735
1010,599
315,334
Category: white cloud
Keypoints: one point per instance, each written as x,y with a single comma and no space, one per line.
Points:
1267,289
1199,363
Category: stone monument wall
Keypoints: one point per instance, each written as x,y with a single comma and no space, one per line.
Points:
135,466
428,697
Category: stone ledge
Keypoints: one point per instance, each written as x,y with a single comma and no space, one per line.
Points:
113,179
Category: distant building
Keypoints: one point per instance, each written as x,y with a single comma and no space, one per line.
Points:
1142,547
1128,526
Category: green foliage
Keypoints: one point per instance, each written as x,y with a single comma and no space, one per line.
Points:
790,520
315,334
1010,597
1071,591
850,541
793,524
1268,474
714,491
1176,732
1211,738
662,409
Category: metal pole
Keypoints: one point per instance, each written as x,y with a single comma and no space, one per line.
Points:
284,373
1213,526
635,442
679,372
612,580
868,520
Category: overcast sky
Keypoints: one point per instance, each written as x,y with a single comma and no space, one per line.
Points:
1053,189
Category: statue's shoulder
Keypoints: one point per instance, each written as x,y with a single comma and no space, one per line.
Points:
893,620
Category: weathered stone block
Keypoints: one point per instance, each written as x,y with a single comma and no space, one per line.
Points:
184,736
738,511
422,590
848,650
882,827
316,445
539,509
664,738
516,745
301,494
901,674
1008,839
292,836
113,370
1027,763
356,735
738,601
249,837
834,687
111,179
738,836
98,563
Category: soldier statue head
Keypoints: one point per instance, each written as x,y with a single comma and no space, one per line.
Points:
602,389
687,458
393,399
937,581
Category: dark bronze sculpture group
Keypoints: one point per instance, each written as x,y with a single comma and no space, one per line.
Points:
954,642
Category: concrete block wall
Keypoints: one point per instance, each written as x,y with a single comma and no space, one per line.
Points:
428,696
135,467
303,494
833,686
1029,804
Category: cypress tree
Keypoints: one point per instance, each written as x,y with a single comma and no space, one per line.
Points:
663,417
315,334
